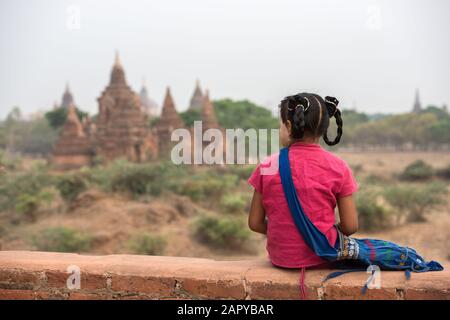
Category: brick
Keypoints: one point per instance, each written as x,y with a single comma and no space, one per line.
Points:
57,279
17,295
87,296
335,292
214,289
154,286
428,294
18,279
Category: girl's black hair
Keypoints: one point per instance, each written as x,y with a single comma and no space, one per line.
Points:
308,112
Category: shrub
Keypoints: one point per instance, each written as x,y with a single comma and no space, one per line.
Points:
9,162
140,179
15,184
204,186
61,239
28,205
444,173
416,201
147,244
71,186
371,215
416,171
373,179
221,232
242,171
233,203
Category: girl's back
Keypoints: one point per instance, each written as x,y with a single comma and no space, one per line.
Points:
320,178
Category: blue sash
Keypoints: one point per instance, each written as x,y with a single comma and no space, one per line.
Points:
356,252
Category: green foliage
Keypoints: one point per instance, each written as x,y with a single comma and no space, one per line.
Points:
140,179
439,131
371,214
204,186
32,136
416,171
416,200
221,232
189,116
36,137
57,117
28,204
15,184
70,186
61,239
233,203
242,171
243,114
147,244
9,162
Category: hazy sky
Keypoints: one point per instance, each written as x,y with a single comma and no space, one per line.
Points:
369,54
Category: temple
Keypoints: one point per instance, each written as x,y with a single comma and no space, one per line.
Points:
196,102
73,148
417,107
169,121
67,99
122,127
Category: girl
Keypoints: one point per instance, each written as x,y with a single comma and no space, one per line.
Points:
322,181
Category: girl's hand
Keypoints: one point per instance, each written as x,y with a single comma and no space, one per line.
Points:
348,215
257,217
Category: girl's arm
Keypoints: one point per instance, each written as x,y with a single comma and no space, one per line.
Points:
348,215
257,216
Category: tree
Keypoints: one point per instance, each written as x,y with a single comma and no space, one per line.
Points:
57,117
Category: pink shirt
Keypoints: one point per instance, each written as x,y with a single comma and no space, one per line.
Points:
320,178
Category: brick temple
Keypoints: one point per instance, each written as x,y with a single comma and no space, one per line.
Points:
122,127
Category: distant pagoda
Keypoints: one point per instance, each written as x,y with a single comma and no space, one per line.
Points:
122,129
417,107
196,102
208,114
169,121
67,98
73,148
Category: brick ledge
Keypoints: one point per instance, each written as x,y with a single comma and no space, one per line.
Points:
43,275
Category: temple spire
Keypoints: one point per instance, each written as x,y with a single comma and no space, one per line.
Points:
117,60
196,102
67,98
208,114
117,73
417,107
169,115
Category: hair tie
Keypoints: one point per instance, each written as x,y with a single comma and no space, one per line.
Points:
301,105
331,104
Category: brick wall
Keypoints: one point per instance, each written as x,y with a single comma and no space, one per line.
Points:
43,275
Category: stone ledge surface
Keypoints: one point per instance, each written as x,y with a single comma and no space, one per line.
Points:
43,275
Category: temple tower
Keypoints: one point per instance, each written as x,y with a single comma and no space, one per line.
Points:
67,98
73,148
417,107
197,98
169,121
122,128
